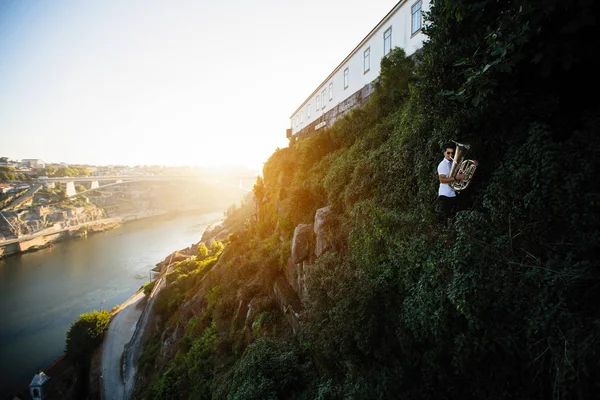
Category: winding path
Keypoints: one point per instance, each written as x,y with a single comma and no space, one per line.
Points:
119,333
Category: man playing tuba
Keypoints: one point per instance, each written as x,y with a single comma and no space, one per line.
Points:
446,194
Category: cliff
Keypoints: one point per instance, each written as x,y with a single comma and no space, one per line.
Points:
34,219
346,283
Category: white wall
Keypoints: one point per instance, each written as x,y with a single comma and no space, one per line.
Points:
400,21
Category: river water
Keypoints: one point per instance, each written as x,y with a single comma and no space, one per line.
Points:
42,293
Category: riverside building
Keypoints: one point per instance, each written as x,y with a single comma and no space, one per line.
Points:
351,83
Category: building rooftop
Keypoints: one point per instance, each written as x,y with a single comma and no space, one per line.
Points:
39,379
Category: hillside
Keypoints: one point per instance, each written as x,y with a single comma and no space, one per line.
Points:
376,296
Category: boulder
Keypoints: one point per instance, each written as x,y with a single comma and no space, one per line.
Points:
295,275
301,243
211,232
288,302
323,242
167,340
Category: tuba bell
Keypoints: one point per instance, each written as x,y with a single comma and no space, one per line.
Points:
460,164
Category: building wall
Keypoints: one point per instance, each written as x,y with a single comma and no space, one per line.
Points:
33,163
399,20
357,99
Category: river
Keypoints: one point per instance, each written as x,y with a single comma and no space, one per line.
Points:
42,293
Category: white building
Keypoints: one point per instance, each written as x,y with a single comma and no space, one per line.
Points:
33,163
351,82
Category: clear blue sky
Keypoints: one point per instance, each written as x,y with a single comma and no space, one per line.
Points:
165,82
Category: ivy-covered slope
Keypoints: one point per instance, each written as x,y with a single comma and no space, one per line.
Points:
502,301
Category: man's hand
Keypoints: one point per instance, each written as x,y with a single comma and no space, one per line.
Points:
460,176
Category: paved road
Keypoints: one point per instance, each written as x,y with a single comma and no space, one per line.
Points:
135,345
119,333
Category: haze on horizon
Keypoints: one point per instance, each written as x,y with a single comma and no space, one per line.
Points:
178,83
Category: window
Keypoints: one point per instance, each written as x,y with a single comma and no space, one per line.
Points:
308,111
330,91
323,96
387,41
346,78
318,103
416,17
301,117
367,60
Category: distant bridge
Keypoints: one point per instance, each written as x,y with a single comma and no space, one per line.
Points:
137,178
121,179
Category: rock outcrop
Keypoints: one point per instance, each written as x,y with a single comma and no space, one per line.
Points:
32,220
217,231
310,242
301,243
323,242
288,302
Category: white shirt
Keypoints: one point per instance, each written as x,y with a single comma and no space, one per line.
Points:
444,169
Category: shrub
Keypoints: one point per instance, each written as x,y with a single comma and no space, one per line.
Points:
202,251
86,333
269,369
148,286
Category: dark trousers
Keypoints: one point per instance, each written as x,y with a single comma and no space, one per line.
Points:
448,205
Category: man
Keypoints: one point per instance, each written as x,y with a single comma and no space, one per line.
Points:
446,195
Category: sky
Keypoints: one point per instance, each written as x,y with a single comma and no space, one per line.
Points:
209,83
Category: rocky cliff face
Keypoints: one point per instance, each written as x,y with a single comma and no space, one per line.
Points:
29,221
244,297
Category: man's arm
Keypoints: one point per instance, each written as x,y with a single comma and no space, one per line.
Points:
459,177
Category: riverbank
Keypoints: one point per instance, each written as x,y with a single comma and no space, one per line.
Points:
45,291
63,374
46,238
112,367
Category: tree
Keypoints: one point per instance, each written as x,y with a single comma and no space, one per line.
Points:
50,170
86,334
216,247
202,251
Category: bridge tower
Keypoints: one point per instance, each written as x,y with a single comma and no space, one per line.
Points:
71,189
95,185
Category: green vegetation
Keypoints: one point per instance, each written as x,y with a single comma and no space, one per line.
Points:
202,251
9,174
499,302
148,286
49,195
67,171
86,334
269,369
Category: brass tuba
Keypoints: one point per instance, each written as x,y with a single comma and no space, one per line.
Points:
459,164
